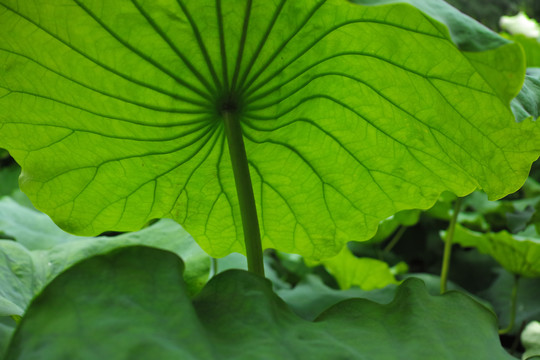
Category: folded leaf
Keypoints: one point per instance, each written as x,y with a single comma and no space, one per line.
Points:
518,254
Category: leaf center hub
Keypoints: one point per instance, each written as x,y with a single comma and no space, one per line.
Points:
229,104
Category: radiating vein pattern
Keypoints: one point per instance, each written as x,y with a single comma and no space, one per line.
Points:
350,113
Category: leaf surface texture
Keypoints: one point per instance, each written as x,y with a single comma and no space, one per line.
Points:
349,114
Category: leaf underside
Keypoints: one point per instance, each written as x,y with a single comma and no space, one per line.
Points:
350,113
134,306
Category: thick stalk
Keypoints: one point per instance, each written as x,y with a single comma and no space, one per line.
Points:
513,304
448,245
244,190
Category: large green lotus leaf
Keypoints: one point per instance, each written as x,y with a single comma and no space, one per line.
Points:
134,306
349,114
25,270
518,254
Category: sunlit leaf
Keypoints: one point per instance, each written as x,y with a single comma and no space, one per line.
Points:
349,113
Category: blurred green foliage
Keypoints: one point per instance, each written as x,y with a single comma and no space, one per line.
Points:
488,12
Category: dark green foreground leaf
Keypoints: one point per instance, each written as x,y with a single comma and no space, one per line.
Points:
132,304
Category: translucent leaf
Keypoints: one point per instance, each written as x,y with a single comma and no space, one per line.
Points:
349,114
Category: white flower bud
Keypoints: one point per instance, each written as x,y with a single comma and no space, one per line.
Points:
530,338
520,24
